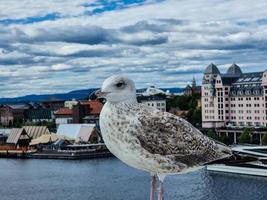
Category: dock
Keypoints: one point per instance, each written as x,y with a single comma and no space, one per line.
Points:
70,152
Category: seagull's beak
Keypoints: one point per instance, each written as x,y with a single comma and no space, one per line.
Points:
101,94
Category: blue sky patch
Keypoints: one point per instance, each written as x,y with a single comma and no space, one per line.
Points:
30,20
106,5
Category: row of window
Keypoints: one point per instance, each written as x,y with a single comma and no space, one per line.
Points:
247,98
158,104
247,111
243,105
247,123
209,111
247,92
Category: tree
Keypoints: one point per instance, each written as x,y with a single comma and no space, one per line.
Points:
264,139
245,136
225,139
212,134
197,117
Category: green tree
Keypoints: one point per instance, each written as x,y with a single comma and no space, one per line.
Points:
225,139
264,139
211,133
197,117
245,136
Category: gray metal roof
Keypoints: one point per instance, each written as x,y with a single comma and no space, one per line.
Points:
248,78
19,106
234,69
212,69
36,131
15,135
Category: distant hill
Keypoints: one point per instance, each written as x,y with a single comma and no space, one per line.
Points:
76,94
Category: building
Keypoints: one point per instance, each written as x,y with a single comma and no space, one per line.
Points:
70,104
153,101
53,104
18,137
63,116
13,113
39,115
36,131
152,90
82,133
87,112
234,99
192,89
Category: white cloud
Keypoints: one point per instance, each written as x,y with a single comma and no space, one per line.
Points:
163,44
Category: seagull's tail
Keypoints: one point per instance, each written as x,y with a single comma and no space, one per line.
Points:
235,158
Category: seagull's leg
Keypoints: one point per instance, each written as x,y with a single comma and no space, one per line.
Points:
153,186
161,191
161,188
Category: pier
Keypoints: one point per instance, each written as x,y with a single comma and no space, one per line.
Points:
70,152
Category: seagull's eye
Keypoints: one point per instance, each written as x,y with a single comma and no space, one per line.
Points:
120,84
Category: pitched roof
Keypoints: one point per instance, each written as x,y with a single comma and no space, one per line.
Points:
36,131
16,134
212,69
234,69
95,106
76,131
63,111
19,106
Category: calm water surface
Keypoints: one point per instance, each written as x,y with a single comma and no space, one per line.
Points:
109,179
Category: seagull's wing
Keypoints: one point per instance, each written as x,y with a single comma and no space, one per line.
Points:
166,134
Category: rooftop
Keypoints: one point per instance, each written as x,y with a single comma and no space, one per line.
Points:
95,106
64,111
234,69
212,69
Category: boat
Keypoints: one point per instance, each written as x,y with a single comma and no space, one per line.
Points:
255,168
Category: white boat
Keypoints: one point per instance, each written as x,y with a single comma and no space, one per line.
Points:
256,168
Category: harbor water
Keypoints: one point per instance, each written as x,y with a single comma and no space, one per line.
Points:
110,179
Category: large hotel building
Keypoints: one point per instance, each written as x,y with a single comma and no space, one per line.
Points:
234,99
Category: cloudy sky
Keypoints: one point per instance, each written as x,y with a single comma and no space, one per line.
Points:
62,45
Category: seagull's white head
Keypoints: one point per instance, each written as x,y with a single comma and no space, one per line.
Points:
118,88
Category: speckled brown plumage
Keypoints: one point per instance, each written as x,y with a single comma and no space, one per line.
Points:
163,134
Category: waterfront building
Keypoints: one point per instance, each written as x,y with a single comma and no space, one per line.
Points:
63,116
36,131
81,133
18,137
233,99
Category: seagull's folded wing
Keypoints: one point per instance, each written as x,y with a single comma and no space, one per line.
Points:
166,134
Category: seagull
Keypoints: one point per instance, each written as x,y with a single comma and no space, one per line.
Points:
149,139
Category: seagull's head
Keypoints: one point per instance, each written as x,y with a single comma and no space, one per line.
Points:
118,88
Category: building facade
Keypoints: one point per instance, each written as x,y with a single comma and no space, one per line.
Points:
155,101
234,99
192,89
